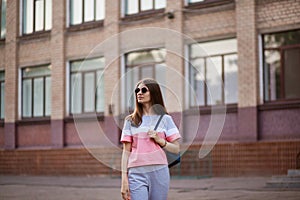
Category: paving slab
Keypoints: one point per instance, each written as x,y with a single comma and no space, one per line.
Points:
104,188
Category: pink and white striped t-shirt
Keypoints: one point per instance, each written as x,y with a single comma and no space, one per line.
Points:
145,151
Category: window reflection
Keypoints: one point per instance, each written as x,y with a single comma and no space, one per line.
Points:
89,10
2,94
281,65
3,19
87,86
146,5
213,73
137,6
82,11
37,15
194,1
143,64
36,91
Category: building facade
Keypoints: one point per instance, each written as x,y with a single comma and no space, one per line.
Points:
233,61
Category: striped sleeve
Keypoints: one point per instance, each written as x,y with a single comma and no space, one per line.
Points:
172,133
126,135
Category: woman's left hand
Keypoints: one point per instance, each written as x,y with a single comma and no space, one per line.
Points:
153,134
160,141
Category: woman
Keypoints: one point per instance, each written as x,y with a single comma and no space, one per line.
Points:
145,172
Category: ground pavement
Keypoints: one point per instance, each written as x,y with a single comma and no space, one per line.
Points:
106,188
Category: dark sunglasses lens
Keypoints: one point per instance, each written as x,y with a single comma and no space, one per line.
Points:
137,90
144,90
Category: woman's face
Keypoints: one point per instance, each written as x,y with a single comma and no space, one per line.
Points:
142,94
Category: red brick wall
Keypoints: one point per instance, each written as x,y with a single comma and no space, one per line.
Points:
236,159
1,137
33,135
252,159
52,162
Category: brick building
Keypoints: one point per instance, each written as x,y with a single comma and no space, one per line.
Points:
66,59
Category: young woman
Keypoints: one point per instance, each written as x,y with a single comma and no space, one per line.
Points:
145,172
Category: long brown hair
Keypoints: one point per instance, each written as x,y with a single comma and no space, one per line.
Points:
156,101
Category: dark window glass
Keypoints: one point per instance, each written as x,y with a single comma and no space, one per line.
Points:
281,65
2,94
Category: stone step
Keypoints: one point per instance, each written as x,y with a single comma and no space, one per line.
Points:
285,178
283,184
292,180
294,172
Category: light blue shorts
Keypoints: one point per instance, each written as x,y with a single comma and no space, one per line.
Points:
149,182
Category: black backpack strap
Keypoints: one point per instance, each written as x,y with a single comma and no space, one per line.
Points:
157,123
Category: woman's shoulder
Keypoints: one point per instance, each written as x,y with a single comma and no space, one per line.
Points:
128,118
167,116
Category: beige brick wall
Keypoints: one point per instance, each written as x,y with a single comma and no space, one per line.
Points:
112,58
221,23
11,58
34,52
58,59
247,53
2,56
80,44
243,19
280,14
60,46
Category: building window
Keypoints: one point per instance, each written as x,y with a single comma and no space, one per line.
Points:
2,95
195,1
36,91
37,15
82,11
139,6
206,3
281,65
143,64
213,73
3,19
87,86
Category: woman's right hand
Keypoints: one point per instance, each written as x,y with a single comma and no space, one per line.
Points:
125,190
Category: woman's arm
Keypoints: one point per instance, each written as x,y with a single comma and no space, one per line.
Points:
124,162
173,147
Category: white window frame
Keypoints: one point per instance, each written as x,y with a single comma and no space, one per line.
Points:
68,86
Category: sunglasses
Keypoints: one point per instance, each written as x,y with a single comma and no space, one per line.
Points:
144,90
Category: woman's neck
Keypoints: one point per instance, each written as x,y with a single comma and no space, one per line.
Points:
147,109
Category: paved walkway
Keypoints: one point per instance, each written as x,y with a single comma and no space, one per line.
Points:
105,188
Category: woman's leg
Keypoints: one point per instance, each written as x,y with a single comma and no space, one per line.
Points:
159,184
138,186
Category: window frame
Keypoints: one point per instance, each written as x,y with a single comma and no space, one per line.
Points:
207,4
2,82
34,18
2,38
141,13
44,116
208,57
281,50
83,72
140,66
84,24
